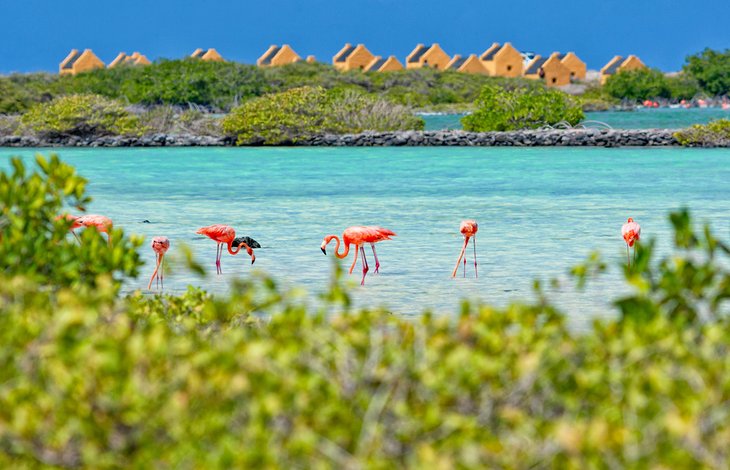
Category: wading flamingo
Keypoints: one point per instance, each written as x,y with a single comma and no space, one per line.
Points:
74,219
468,228
631,232
102,224
224,235
160,245
359,235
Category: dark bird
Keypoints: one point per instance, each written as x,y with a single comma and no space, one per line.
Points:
247,240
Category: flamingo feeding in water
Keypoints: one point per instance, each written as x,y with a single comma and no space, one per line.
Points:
102,224
160,245
359,235
468,228
631,231
224,235
74,219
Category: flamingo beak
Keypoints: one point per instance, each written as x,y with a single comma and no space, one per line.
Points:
323,250
253,258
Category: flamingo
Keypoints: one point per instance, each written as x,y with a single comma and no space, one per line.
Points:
102,224
468,228
224,235
359,235
160,245
74,219
631,232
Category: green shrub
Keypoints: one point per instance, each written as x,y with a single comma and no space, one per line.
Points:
523,108
80,115
255,379
710,69
638,85
643,84
713,134
303,112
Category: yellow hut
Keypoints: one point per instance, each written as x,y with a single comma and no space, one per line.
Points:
380,64
352,57
470,64
619,64
576,66
502,60
548,69
209,55
278,55
135,59
77,62
432,56
311,59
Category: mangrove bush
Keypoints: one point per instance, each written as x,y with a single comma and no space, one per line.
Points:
498,109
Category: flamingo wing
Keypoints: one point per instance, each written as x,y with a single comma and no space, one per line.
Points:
218,232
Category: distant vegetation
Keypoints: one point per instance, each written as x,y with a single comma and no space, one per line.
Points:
307,111
715,133
643,84
79,115
498,109
257,378
711,69
221,86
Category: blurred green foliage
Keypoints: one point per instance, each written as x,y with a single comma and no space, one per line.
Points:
711,69
80,115
643,84
714,133
255,379
307,111
523,108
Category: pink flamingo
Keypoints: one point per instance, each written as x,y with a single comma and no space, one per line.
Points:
359,235
224,235
102,224
160,245
631,231
468,228
74,219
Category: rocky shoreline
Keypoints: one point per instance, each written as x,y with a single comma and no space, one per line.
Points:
529,138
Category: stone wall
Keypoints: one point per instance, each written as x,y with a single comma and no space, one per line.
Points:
549,138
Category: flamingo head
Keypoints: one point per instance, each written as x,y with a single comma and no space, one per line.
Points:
326,241
249,250
630,220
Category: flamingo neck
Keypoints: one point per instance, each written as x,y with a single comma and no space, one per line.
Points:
337,248
238,248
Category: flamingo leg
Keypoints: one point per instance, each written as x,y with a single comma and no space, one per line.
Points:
465,255
474,243
365,267
76,236
628,257
377,263
162,271
218,252
154,273
352,266
635,253
109,238
458,261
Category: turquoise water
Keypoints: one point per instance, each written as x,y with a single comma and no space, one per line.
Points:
662,118
540,211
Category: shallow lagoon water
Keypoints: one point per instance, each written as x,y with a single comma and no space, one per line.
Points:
540,211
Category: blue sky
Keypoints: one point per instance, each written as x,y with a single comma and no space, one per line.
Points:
36,34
